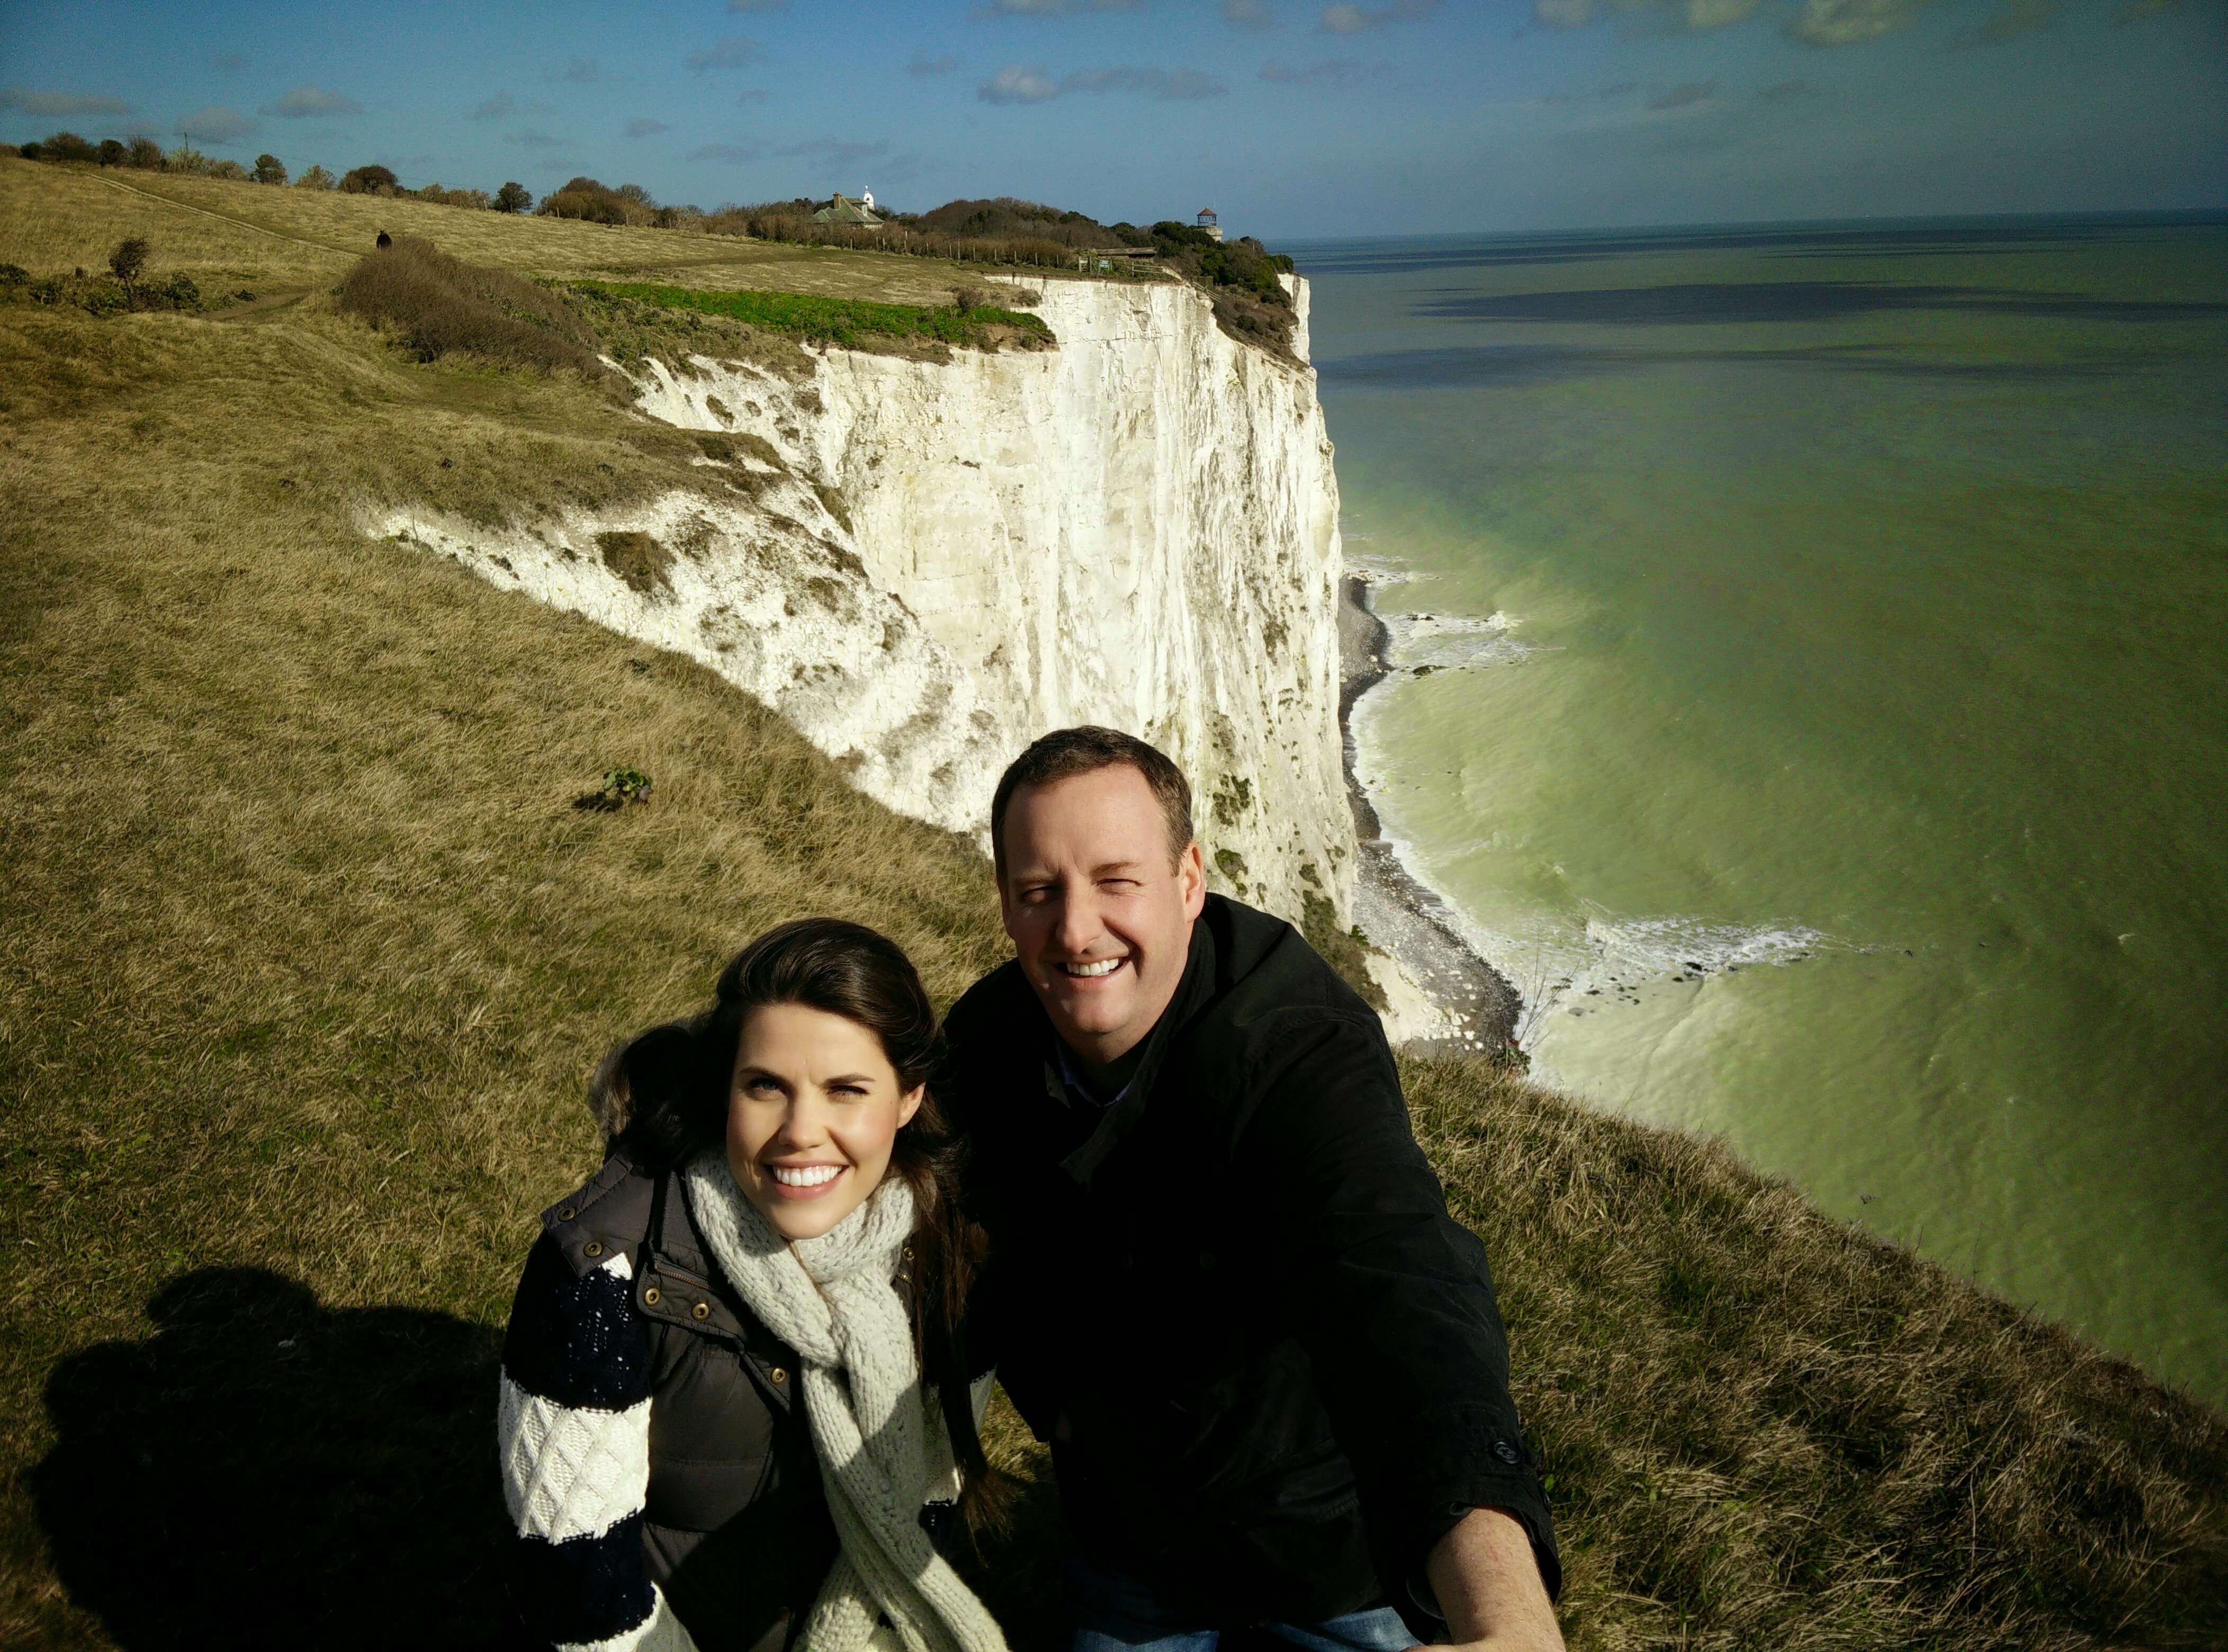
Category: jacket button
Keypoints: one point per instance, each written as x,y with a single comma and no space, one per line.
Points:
779,1375
701,1310
651,1296
593,1247
1504,1450
566,1214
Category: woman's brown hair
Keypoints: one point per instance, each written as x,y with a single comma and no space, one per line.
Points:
663,1096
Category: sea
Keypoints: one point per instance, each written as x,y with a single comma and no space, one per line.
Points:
1811,689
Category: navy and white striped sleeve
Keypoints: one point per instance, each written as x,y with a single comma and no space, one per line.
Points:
574,1434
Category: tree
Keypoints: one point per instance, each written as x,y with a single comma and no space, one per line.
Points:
367,179
129,258
269,168
68,146
145,154
512,197
112,152
316,178
31,152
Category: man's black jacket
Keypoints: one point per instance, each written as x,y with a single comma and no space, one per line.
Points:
1268,1361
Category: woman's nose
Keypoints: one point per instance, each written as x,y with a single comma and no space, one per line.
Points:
801,1125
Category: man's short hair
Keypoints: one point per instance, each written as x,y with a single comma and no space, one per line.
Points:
1066,753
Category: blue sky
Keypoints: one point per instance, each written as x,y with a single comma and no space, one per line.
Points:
1406,116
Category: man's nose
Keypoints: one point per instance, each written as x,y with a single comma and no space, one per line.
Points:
1078,919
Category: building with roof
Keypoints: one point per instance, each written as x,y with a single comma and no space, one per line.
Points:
841,209
1207,222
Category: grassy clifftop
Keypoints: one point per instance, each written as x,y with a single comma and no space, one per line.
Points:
306,951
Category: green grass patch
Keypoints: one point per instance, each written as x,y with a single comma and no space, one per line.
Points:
840,321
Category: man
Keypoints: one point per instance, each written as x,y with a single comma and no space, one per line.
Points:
1223,1282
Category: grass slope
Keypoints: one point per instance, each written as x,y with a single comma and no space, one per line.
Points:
305,955
841,321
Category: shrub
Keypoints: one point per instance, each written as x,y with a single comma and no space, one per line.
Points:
512,197
144,153
590,201
316,178
368,180
269,168
67,146
476,198
441,306
231,170
129,258
112,152
31,151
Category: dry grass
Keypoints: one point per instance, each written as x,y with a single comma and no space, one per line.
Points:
305,955
229,234
442,306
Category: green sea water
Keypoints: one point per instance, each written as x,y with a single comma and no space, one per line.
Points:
1826,723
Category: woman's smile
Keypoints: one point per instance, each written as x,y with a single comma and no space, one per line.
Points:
805,1181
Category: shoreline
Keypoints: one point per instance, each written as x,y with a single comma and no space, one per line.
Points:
1400,916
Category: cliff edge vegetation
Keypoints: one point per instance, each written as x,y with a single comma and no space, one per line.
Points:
309,944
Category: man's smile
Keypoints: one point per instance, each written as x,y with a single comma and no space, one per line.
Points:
1093,970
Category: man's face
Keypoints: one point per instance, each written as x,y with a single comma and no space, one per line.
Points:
1100,916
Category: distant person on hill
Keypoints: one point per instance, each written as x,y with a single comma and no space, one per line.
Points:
773,1235
1223,1282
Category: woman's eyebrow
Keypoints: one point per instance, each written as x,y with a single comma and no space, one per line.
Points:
850,1078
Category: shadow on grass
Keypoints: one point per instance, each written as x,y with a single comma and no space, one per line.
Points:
268,1471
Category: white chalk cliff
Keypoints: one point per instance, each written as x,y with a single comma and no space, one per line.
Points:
1138,528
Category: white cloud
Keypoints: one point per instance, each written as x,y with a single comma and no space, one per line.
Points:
1355,19
735,52
1027,83
2013,19
62,103
834,151
218,125
1051,8
494,109
1019,83
1851,23
1690,16
1331,71
307,101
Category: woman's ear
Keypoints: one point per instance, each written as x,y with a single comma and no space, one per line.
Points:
909,1104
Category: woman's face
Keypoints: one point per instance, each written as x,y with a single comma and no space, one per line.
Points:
812,1112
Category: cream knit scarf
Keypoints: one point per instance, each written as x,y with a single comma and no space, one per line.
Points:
878,1437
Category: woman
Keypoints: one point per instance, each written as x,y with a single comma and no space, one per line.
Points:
733,1384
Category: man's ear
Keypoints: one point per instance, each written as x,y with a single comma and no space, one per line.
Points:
1191,871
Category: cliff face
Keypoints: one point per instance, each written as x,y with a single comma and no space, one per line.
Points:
923,565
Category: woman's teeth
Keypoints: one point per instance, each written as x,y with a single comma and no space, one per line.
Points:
804,1175
1092,972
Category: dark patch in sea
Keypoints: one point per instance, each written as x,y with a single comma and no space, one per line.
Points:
1479,364
1739,302
1913,237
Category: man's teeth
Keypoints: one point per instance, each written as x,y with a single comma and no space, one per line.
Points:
1104,966
805,1175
